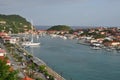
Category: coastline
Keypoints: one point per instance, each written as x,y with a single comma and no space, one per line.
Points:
41,62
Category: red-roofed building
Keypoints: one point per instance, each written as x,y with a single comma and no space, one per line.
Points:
11,40
41,31
2,34
1,57
27,78
7,61
6,39
2,52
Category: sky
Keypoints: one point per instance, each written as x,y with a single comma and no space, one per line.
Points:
65,12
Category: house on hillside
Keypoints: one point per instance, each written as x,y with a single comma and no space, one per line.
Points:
12,40
2,52
7,60
27,78
3,34
2,22
115,43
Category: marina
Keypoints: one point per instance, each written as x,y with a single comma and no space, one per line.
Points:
40,62
69,40
75,61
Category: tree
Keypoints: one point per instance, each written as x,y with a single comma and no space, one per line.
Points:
14,23
39,79
6,73
98,36
42,68
60,28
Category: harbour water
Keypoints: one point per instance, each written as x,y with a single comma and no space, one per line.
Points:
77,62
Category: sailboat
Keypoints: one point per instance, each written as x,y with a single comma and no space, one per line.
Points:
31,43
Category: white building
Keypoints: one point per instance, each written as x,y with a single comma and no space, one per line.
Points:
2,52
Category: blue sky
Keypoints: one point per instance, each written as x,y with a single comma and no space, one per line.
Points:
65,12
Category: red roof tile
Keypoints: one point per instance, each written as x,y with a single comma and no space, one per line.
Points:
7,38
3,34
2,51
2,57
27,78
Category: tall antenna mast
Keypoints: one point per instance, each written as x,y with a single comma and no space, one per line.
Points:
32,24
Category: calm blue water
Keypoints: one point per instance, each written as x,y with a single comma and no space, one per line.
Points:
78,62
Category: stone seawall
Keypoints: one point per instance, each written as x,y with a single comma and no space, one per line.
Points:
41,62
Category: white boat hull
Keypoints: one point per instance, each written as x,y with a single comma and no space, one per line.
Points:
30,44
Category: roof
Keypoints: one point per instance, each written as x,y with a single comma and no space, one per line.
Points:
3,58
7,38
2,51
8,61
27,78
3,34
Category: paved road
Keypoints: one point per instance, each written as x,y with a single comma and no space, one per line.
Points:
14,64
19,65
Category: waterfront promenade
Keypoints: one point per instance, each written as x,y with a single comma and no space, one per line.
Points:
40,62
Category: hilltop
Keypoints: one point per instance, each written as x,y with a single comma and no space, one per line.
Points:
60,28
14,23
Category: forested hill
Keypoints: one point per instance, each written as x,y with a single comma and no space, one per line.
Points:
14,23
60,28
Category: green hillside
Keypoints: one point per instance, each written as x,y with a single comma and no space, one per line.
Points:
60,28
13,23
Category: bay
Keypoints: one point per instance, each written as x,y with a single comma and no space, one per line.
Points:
77,62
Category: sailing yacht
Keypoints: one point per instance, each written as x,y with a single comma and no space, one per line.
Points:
31,43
